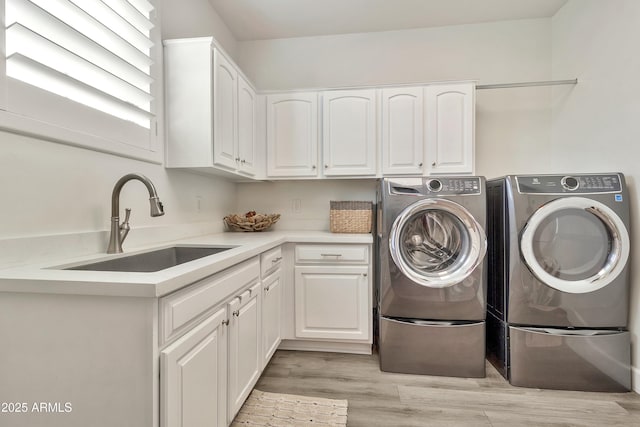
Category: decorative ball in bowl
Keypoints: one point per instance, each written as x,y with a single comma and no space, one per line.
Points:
251,221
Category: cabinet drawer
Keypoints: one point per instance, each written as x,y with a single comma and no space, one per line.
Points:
352,254
270,261
182,308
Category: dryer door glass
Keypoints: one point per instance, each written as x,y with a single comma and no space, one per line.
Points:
575,244
572,244
437,243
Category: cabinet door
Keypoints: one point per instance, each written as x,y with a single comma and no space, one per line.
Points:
271,315
246,127
193,376
332,302
245,361
450,128
292,134
349,132
402,131
225,89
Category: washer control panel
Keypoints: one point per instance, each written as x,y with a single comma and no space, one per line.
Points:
452,186
565,184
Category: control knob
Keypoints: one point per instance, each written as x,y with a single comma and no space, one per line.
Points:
569,183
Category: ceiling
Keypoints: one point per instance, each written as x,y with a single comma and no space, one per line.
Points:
273,19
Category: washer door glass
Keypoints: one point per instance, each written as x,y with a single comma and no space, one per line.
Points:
575,244
437,243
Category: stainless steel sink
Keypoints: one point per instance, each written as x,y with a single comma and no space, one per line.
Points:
148,262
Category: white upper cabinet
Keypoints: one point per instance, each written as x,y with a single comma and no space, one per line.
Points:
225,122
402,131
211,110
292,135
349,132
449,114
246,128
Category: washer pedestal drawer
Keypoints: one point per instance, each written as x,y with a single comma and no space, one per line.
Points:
582,360
432,348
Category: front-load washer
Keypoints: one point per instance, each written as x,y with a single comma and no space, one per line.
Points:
431,281
558,281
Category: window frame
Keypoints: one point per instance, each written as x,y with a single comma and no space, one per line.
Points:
151,151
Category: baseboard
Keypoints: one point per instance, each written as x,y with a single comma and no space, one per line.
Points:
332,347
635,379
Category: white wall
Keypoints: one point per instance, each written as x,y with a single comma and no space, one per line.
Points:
302,205
195,18
56,199
595,124
512,126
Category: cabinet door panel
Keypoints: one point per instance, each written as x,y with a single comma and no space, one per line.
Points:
349,132
332,302
193,378
450,128
245,362
246,127
271,316
402,131
225,79
292,134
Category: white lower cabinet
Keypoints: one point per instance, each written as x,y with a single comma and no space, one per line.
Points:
332,302
214,357
332,297
271,315
245,362
193,376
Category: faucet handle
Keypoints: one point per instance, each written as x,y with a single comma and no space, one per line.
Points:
124,227
127,214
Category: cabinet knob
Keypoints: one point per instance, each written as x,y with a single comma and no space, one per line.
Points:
243,161
433,164
266,289
237,159
225,322
236,313
364,274
326,166
420,164
313,167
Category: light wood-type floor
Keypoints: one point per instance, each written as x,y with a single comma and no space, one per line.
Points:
392,400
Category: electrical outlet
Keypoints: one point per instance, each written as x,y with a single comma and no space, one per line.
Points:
296,206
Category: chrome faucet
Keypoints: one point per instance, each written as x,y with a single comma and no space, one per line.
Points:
119,231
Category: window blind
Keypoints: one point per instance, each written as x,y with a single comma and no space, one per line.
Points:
97,53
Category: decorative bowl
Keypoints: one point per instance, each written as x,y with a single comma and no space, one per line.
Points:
251,221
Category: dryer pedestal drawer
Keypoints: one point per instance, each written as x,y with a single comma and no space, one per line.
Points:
432,348
585,360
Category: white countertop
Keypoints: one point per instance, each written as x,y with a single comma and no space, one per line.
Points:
51,278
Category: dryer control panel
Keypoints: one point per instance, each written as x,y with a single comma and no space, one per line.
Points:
452,186
566,184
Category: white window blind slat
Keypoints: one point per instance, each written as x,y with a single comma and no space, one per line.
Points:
143,6
93,29
131,14
29,44
41,22
39,75
116,23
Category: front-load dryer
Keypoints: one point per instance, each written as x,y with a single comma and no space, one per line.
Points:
559,281
431,286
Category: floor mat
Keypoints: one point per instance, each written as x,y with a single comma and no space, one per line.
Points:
288,410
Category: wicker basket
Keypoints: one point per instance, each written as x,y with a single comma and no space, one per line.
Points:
350,217
250,221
